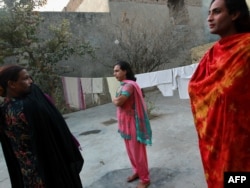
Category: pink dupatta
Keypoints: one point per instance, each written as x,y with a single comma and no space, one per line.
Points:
143,128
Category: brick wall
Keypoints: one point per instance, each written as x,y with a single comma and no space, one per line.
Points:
185,22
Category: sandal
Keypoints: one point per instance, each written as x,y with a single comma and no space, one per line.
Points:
143,185
132,178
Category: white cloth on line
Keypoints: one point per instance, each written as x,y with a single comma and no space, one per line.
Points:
161,77
181,77
73,92
166,89
113,85
86,85
143,80
155,78
97,85
183,87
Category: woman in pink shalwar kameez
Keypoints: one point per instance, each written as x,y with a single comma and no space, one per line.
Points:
133,122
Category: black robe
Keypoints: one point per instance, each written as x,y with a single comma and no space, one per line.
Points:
59,159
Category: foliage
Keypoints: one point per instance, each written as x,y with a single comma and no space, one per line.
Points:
23,3
22,42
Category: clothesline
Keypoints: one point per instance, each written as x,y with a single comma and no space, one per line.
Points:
168,80
75,88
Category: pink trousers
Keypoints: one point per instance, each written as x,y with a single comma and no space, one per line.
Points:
138,157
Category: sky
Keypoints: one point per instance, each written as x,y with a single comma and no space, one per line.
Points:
54,5
86,6
58,5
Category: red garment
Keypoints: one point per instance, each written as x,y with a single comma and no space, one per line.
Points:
220,99
137,154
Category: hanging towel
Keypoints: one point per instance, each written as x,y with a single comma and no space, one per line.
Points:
155,78
161,77
97,85
73,92
181,77
86,84
113,85
166,89
143,80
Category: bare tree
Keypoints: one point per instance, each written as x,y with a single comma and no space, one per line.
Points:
146,50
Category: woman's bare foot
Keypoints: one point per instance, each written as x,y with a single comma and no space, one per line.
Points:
132,178
143,185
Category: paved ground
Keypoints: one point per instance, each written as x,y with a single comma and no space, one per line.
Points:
174,158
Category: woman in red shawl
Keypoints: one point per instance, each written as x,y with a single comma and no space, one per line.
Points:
220,93
134,125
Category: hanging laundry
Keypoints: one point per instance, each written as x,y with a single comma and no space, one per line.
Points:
181,77
73,92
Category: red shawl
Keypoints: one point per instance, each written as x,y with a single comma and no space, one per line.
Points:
220,99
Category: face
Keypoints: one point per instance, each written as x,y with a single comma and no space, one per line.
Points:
119,73
219,20
22,85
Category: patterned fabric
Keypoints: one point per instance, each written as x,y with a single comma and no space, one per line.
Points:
18,131
45,140
133,113
220,98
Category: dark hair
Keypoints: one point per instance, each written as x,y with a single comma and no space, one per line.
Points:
126,66
9,73
242,23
